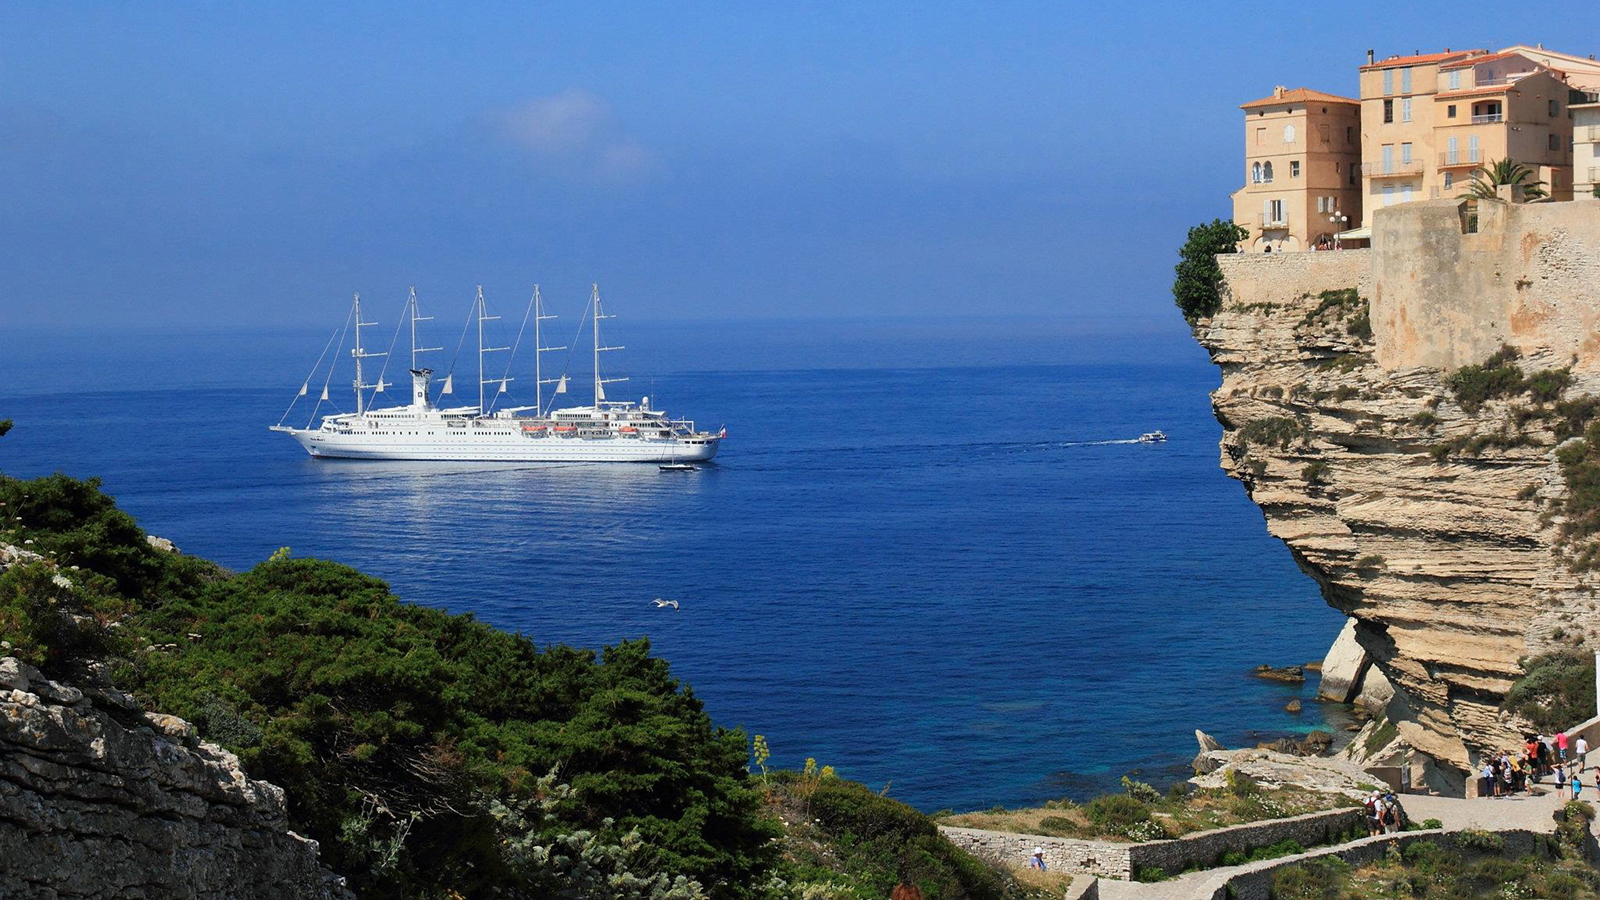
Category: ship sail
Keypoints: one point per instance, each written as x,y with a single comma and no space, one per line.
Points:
449,385
324,392
561,386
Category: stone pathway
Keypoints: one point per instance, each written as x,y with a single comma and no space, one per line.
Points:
1532,813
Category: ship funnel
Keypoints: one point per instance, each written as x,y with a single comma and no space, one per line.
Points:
420,379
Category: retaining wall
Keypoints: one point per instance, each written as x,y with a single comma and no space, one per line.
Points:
1115,860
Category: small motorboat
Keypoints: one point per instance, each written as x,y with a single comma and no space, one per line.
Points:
679,467
1152,437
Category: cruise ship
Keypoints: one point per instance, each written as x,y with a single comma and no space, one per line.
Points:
605,431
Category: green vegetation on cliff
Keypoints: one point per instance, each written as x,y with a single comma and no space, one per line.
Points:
1199,278
432,755
1557,691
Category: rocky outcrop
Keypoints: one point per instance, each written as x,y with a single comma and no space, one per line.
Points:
1424,519
101,799
1343,667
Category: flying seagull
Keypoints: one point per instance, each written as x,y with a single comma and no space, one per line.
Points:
660,603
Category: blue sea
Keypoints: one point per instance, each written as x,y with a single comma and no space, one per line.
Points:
927,555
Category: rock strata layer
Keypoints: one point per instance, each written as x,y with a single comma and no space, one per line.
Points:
1425,520
101,799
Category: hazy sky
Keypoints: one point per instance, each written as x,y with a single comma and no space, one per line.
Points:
197,163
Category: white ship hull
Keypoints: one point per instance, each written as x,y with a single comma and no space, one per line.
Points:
499,446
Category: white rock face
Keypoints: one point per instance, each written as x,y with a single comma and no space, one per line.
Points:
1424,521
1343,667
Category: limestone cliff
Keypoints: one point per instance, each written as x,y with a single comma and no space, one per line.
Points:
101,799
1425,516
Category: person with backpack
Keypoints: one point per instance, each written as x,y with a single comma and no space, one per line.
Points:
1374,808
1391,813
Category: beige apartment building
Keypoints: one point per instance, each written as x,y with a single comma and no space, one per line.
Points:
1301,180
1586,146
1428,120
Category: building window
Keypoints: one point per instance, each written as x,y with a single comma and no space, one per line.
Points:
1449,180
1555,108
1388,195
1405,153
1450,111
1353,171
1388,81
1350,134
1388,159
1288,134
1322,205
1405,110
1486,112
1277,212
1255,173
1473,153
1555,139
1388,111
1454,81
1452,155
1405,80
1294,164
1266,172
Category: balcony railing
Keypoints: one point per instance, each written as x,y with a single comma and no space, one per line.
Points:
1380,169
1460,158
1487,118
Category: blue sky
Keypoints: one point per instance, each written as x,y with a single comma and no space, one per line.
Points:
250,166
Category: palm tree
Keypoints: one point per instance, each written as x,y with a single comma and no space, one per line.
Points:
1506,171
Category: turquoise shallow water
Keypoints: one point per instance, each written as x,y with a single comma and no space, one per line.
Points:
916,560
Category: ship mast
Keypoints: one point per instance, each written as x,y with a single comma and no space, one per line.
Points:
483,316
360,354
599,383
538,347
414,320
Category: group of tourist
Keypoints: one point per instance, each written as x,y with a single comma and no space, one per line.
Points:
1384,815
1559,757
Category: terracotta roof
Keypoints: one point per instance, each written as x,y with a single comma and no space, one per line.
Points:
1474,60
1421,59
1298,95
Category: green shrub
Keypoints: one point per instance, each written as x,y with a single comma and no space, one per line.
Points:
1427,418
1573,416
1058,826
883,841
1197,285
1273,431
1431,824
1360,326
1116,812
1498,376
1317,879
1557,691
1479,840
1381,736
56,619
1140,791
1549,384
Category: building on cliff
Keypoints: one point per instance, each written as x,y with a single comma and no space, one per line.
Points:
1428,120
1302,149
1586,145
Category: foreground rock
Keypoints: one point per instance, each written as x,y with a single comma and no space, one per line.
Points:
1286,674
1272,769
99,799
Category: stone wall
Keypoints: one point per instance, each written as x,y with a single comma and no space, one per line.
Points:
1116,860
1529,277
101,799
